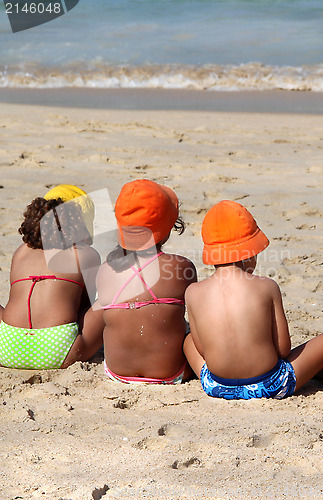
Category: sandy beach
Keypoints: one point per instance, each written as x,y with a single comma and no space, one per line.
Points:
73,435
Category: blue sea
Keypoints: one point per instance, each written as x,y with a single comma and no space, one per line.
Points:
191,44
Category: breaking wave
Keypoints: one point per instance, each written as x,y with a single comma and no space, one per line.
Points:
251,76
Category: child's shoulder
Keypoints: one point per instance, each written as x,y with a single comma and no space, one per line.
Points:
21,249
193,290
268,285
20,253
266,281
106,274
175,258
88,256
181,264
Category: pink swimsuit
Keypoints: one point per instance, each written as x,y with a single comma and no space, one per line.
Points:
175,379
138,304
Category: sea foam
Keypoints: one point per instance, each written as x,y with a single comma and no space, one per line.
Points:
251,76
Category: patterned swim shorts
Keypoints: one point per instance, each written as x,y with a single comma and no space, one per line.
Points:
278,383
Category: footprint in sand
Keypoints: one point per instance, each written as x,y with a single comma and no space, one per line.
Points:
306,226
194,461
258,441
152,444
126,401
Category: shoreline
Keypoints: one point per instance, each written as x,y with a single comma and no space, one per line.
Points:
249,101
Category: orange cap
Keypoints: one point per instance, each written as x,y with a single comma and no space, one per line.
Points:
230,234
145,212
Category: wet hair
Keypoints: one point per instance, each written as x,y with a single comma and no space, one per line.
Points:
61,230
121,259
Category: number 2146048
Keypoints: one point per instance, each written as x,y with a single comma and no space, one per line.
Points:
33,8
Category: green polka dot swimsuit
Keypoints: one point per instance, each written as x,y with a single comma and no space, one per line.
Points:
36,348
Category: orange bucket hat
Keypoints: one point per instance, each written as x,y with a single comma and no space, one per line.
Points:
230,234
145,212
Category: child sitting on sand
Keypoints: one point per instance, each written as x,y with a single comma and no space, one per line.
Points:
42,323
239,344
141,290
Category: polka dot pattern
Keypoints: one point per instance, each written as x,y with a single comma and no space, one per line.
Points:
36,348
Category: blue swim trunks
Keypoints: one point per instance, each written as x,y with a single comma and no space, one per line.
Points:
278,383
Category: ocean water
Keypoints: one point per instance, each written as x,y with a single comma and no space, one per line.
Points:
197,44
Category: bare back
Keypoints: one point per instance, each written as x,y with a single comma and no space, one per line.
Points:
237,323
147,341
53,302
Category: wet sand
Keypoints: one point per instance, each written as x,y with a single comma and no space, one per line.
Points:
271,101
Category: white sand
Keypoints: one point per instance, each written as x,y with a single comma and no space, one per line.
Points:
72,434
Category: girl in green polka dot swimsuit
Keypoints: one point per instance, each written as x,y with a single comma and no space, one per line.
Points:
48,322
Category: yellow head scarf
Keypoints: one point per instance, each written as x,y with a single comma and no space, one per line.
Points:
68,192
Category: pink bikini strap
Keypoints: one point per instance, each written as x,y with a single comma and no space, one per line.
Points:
138,305
136,272
168,380
36,279
47,277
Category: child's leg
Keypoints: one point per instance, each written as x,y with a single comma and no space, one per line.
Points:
307,360
192,355
1,312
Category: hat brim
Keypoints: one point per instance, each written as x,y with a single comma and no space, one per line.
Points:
227,253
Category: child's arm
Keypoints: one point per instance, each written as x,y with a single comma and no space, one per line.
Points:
89,261
188,296
280,330
90,340
192,346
